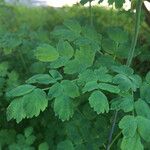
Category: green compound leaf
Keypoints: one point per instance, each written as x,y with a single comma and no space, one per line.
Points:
73,25
28,106
85,1
123,103
117,35
63,107
87,76
106,60
63,93
64,33
55,90
148,77
60,62
118,3
108,87
98,75
65,49
124,82
65,145
28,131
144,127
41,79
46,53
136,81
74,66
83,59
127,82
20,91
4,69
98,101
34,102
142,109
102,75
55,75
145,92
37,67
7,136
132,143
109,46
125,70
70,89
15,110
128,125
90,86
43,146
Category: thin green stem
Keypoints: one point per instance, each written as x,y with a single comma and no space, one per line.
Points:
112,130
45,89
129,60
114,140
136,32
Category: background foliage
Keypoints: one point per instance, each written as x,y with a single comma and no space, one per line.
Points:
61,79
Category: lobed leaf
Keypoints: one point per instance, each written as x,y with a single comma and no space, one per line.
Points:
20,91
41,79
98,101
142,109
123,103
128,125
132,143
46,53
108,87
28,105
144,127
63,107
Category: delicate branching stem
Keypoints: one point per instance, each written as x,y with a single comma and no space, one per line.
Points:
45,89
136,31
129,60
112,130
114,140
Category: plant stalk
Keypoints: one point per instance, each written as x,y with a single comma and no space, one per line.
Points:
136,32
129,60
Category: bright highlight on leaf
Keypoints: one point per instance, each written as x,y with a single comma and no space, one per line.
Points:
46,53
27,105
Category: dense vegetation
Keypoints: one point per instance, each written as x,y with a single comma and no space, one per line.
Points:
71,79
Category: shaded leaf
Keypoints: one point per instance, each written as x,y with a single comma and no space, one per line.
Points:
65,145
